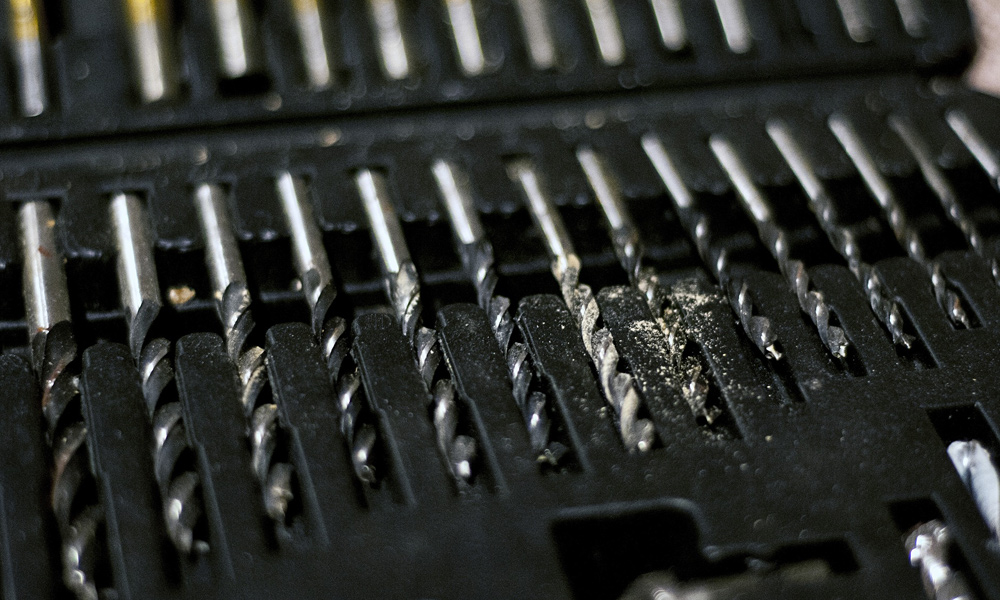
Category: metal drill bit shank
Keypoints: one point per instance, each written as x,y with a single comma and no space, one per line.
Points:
26,39
235,34
462,16
987,157
152,49
388,25
310,26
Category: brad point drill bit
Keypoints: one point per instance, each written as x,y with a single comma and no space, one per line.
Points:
988,158
906,234
27,32
139,290
607,31
47,311
884,306
735,25
930,548
311,28
236,38
402,287
477,258
618,388
389,35
537,27
670,23
857,20
686,370
776,239
462,16
232,302
152,49
757,327
313,268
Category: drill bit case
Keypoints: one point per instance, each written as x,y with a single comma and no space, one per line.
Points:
799,478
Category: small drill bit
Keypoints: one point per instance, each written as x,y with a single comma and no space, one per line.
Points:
232,302
966,131
914,16
311,28
537,27
907,235
757,327
670,22
462,16
979,473
152,49
389,34
686,372
775,238
27,33
619,389
235,35
607,31
885,307
402,286
930,546
139,290
735,25
476,253
313,268
54,354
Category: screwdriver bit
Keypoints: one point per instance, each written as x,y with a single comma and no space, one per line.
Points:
988,158
884,306
670,23
388,23
314,272
757,327
236,38
402,286
139,291
907,235
775,238
686,371
619,389
54,354
310,25
607,31
232,303
462,16
152,49
930,546
476,253
27,35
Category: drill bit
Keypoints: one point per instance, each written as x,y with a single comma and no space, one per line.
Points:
670,23
388,25
735,25
907,235
139,290
914,16
235,37
537,28
966,131
402,286
54,355
857,20
944,191
462,16
232,303
476,253
311,28
757,327
152,49
314,272
607,31
27,33
775,238
619,389
884,306
930,546
979,473
686,371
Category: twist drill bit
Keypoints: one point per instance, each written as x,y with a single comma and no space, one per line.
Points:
537,28
54,352
402,286
393,54
930,548
670,22
618,388
27,32
232,303
686,370
820,202
476,253
607,31
139,290
775,238
152,49
316,276
235,37
311,28
907,235
944,191
462,16
757,327
966,131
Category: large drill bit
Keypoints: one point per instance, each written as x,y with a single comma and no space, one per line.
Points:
757,327
686,371
670,23
820,202
388,24
476,253
316,276
735,25
907,235
311,27
238,50
979,473
402,286
232,303
988,158
607,31
54,354
462,16
776,239
536,26
619,389
930,548
139,290
152,49
27,34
